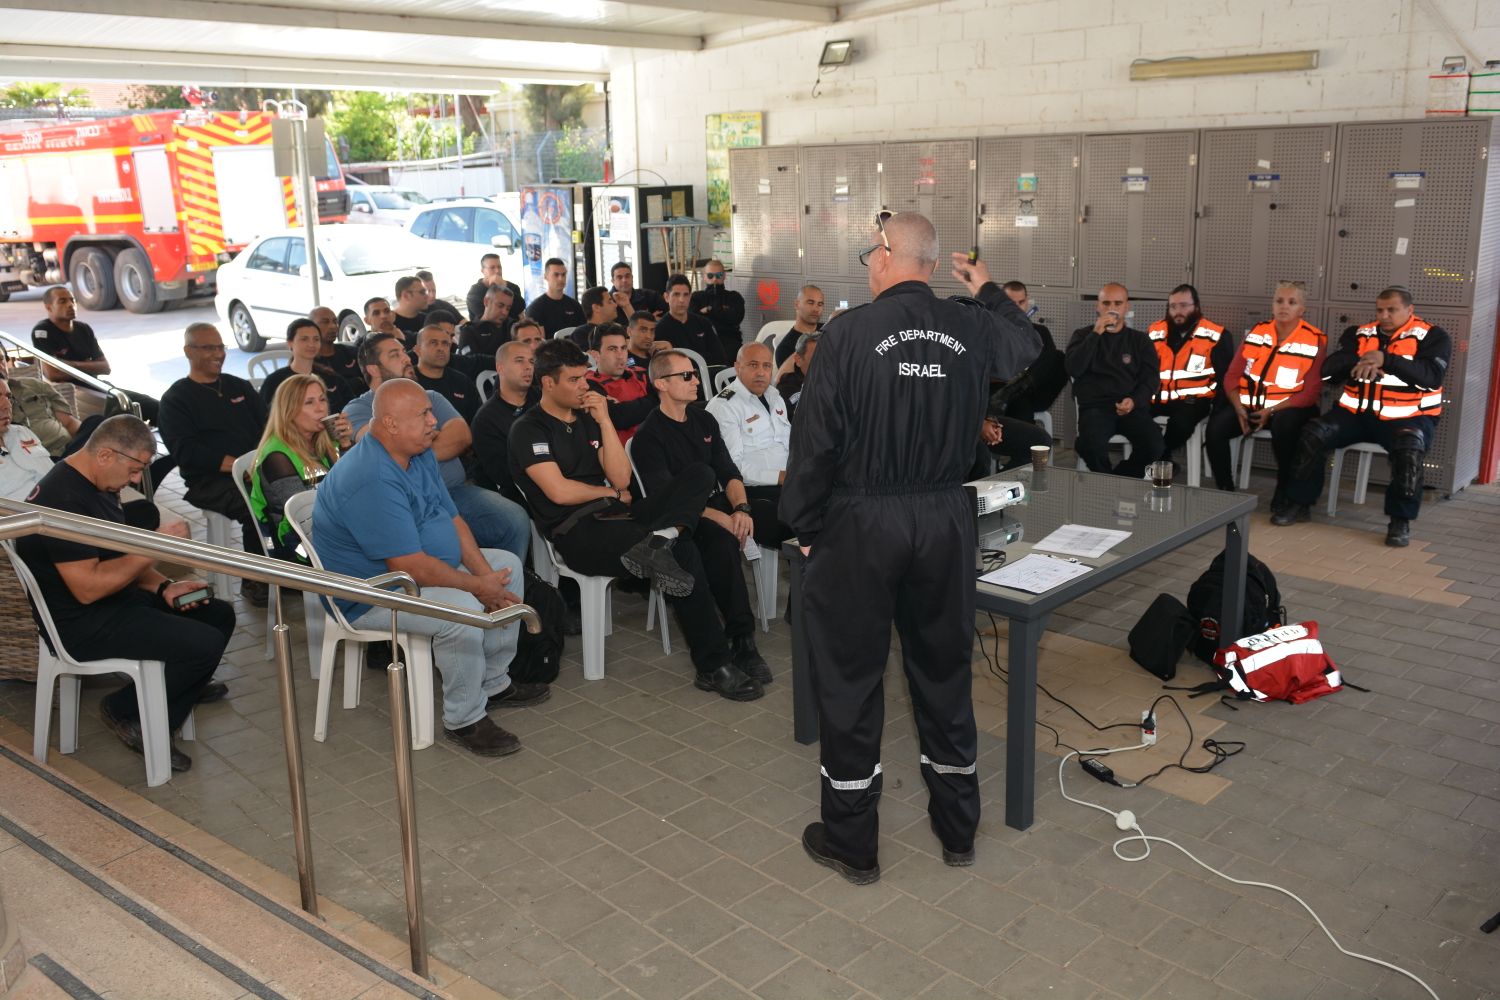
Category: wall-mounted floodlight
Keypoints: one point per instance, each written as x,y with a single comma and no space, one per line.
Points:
836,53
1264,62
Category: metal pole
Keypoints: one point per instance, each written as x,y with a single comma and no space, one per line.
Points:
406,800
292,737
309,201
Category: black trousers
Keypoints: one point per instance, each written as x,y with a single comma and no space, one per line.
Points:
593,546
1097,424
138,626
725,565
1183,417
220,495
1286,430
769,531
909,560
1351,428
1017,437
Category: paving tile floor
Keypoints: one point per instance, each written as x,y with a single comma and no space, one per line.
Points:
645,842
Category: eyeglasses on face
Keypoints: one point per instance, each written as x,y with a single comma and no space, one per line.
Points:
691,375
881,218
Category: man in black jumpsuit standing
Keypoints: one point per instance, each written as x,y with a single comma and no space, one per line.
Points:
879,453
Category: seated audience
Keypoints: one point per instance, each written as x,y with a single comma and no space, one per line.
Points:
754,422
409,314
1191,353
496,522
1036,388
67,338
721,306
296,451
807,316
341,358
642,335
305,341
528,331
379,319
107,604
492,424
23,458
492,275
790,383
39,406
601,307
425,277
384,508
434,371
674,440
568,460
485,334
630,398
686,331
1113,367
555,310
208,419
622,278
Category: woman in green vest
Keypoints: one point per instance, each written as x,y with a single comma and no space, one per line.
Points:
295,453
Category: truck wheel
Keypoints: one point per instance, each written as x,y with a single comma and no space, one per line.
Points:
92,275
4,295
351,328
243,325
136,283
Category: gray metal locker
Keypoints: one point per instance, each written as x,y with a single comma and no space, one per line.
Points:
1263,200
1136,222
840,196
764,208
1407,209
1237,315
768,297
937,180
1028,208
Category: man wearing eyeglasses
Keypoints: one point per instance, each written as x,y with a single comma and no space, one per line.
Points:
874,491
724,308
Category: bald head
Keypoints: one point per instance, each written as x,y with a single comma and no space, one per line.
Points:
397,396
402,419
754,349
914,240
754,366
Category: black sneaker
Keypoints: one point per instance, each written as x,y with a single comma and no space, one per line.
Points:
651,559
519,695
815,843
484,738
1398,533
1297,513
255,592
213,691
952,858
180,761
743,654
729,682
129,733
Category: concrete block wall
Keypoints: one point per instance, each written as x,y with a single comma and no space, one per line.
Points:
994,67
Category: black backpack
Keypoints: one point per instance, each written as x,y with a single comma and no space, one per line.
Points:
1263,608
538,656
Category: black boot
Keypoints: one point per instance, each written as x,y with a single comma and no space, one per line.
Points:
744,655
815,843
1292,513
1398,533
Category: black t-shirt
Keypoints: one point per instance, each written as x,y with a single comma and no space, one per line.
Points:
65,488
555,314
462,392
203,423
77,344
538,437
696,334
491,428
647,300
345,362
788,346
339,392
790,387
475,299
663,447
480,337
410,327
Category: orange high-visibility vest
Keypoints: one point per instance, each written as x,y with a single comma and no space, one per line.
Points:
1392,398
1275,372
1189,374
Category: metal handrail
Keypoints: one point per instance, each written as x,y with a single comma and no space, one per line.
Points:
92,381
18,519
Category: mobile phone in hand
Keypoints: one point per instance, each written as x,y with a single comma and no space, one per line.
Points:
192,597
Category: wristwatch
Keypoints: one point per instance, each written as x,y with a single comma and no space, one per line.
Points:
162,587
742,508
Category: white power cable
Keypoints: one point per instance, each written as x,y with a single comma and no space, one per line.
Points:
1125,821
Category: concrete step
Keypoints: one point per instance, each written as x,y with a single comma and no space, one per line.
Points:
33,984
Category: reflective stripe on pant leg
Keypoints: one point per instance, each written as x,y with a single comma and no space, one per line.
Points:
947,768
856,785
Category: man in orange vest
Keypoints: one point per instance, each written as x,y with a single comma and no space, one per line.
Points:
1393,371
1192,354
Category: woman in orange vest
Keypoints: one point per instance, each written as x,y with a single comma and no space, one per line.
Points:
1392,372
1272,384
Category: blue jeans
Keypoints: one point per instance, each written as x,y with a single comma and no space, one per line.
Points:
474,662
497,523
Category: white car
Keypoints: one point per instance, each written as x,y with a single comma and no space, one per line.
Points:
462,231
383,205
266,286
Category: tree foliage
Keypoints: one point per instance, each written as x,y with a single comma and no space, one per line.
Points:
229,98
552,106
365,125
23,94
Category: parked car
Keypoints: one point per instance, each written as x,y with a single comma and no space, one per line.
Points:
462,231
381,204
266,286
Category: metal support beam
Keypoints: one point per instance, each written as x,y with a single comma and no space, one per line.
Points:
780,10
407,26
27,62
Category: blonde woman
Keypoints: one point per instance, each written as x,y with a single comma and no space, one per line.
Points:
298,447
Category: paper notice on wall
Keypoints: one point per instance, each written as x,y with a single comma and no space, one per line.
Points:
1263,164
1405,203
1135,183
764,185
1401,244
1026,222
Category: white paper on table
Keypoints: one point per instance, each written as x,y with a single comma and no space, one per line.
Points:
1035,574
1082,540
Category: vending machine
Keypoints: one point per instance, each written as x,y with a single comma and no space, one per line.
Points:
547,232
612,216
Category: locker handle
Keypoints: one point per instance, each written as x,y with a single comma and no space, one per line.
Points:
1205,211
1083,216
982,210
1343,233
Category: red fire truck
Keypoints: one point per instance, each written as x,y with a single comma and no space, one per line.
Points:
141,210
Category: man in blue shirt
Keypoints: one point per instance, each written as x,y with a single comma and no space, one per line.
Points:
383,507
497,523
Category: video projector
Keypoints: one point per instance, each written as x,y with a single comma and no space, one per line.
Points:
991,494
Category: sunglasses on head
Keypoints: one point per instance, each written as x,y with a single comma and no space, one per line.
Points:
881,218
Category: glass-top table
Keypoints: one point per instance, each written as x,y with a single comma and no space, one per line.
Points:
1159,520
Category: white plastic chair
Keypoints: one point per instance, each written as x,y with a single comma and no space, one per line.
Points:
1367,451
263,364
488,384
564,333
701,363
336,629
225,533
594,598
1044,417
1194,449
61,671
1247,455
656,605
725,376
242,469
772,332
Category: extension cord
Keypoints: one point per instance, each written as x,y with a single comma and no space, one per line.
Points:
1148,728
1125,822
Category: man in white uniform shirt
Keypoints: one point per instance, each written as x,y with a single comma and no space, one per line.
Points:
757,430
